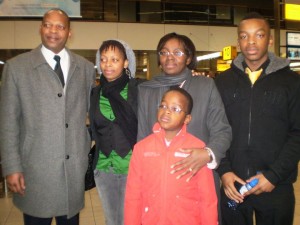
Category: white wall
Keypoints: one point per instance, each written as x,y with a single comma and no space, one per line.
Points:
89,35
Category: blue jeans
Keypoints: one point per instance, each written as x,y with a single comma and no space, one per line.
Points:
111,189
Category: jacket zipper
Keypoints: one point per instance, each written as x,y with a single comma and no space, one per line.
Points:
250,117
249,125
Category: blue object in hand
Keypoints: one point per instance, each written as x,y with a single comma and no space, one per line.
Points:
243,189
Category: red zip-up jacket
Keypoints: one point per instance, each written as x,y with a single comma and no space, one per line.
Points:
155,197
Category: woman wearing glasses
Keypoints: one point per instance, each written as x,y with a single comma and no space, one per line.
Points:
153,195
177,57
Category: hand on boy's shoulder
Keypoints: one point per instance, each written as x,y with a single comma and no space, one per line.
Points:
190,165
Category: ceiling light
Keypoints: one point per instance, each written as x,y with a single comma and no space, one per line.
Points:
209,56
294,64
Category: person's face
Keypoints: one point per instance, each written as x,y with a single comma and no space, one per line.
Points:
254,39
112,63
55,31
172,64
172,114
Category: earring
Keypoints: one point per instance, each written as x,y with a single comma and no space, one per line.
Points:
127,71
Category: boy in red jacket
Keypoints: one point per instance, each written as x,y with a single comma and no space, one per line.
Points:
153,194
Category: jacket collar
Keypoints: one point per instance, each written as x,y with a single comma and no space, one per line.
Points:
157,130
38,60
276,63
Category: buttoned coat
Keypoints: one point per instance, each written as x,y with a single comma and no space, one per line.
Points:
43,132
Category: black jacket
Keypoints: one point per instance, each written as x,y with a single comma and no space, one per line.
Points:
111,136
265,120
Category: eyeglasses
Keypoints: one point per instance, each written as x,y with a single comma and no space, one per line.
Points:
176,53
59,27
172,109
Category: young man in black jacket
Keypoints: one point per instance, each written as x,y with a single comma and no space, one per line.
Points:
264,115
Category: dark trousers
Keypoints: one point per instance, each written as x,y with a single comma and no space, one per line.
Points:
274,208
217,186
60,220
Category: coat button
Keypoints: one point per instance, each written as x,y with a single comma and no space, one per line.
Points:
59,94
67,156
67,125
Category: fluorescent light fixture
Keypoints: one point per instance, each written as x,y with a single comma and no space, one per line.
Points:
296,69
294,64
209,56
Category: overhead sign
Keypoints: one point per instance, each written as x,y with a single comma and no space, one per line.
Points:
229,52
292,12
223,65
37,8
293,38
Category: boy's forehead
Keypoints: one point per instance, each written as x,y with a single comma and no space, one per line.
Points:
253,23
174,94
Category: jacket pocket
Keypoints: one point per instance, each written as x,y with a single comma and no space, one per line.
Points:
274,103
151,211
26,150
233,100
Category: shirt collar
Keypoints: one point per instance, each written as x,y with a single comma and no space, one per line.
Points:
263,66
48,53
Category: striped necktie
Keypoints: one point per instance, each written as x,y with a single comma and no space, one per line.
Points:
253,76
58,70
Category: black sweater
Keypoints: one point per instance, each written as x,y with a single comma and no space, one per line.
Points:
265,121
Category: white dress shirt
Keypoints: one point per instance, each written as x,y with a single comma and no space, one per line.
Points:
64,61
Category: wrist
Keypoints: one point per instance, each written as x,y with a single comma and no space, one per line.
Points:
210,154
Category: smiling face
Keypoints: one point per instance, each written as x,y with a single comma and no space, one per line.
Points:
55,30
172,64
112,63
254,39
172,113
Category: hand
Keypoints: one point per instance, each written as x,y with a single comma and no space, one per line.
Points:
16,183
196,73
192,164
231,192
263,185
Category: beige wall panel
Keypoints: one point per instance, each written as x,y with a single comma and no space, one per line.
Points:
27,34
220,37
198,34
90,35
141,36
7,37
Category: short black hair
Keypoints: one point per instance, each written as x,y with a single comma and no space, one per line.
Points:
58,10
113,44
255,15
187,96
188,45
